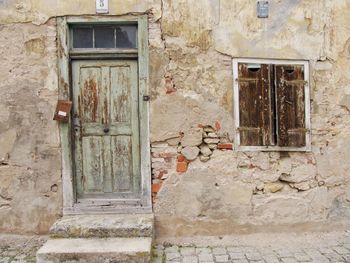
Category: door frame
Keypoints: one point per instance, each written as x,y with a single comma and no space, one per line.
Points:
70,206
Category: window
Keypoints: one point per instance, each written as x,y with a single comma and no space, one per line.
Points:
104,36
271,105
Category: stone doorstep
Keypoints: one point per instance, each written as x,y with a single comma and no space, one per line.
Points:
103,226
121,250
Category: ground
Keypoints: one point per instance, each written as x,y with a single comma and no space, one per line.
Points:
282,247
19,248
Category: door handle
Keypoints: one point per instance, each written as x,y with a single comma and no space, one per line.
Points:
106,130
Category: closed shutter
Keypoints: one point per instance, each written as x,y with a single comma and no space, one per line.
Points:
290,92
255,115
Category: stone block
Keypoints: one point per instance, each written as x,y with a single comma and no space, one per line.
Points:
205,150
122,225
301,173
273,187
204,158
190,152
211,140
192,138
123,250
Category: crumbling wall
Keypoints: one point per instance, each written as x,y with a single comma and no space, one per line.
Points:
192,43
232,191
30,167
30,153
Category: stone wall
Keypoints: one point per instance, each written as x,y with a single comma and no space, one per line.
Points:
30,166
192,87
192,44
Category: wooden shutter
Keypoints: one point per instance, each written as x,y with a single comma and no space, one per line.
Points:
290,92
255,115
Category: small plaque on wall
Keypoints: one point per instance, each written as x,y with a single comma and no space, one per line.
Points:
102,6
263,9
63,109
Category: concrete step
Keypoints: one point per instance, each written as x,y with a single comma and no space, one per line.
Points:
94,250
102,226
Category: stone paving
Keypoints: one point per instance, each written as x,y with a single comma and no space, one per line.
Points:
258,248
19,249
288,247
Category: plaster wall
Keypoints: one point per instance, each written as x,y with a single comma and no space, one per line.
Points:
191,46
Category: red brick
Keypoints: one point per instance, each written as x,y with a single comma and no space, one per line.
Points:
156,188
225,146
181,167
181,158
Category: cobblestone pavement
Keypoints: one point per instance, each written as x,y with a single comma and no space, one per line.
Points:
285,247
305,247
19,249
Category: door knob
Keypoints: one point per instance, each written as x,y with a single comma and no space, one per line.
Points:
106,129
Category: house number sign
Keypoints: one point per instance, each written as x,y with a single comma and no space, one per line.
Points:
263,9
102,6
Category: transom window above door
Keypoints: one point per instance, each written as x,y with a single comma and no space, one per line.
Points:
104,36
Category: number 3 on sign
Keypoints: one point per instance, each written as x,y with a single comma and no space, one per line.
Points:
101,6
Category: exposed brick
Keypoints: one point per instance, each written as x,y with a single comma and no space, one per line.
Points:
164,165
156,188
181,167
225,146
164,155
181,158
159,145
199,125
158,175
157,160
164,150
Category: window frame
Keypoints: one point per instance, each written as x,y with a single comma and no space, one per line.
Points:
64,57
236,117
81,53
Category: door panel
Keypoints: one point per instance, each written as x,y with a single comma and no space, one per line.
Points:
121,102
122,167
93,163
106,129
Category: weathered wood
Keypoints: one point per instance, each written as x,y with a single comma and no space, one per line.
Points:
121,99
107,139
121,159
144,110
290,91
119,200
92,161
65,128
254,105
274,111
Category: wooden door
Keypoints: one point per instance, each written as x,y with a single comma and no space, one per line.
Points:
106,130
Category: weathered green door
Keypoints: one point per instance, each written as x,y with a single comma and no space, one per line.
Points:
106,130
